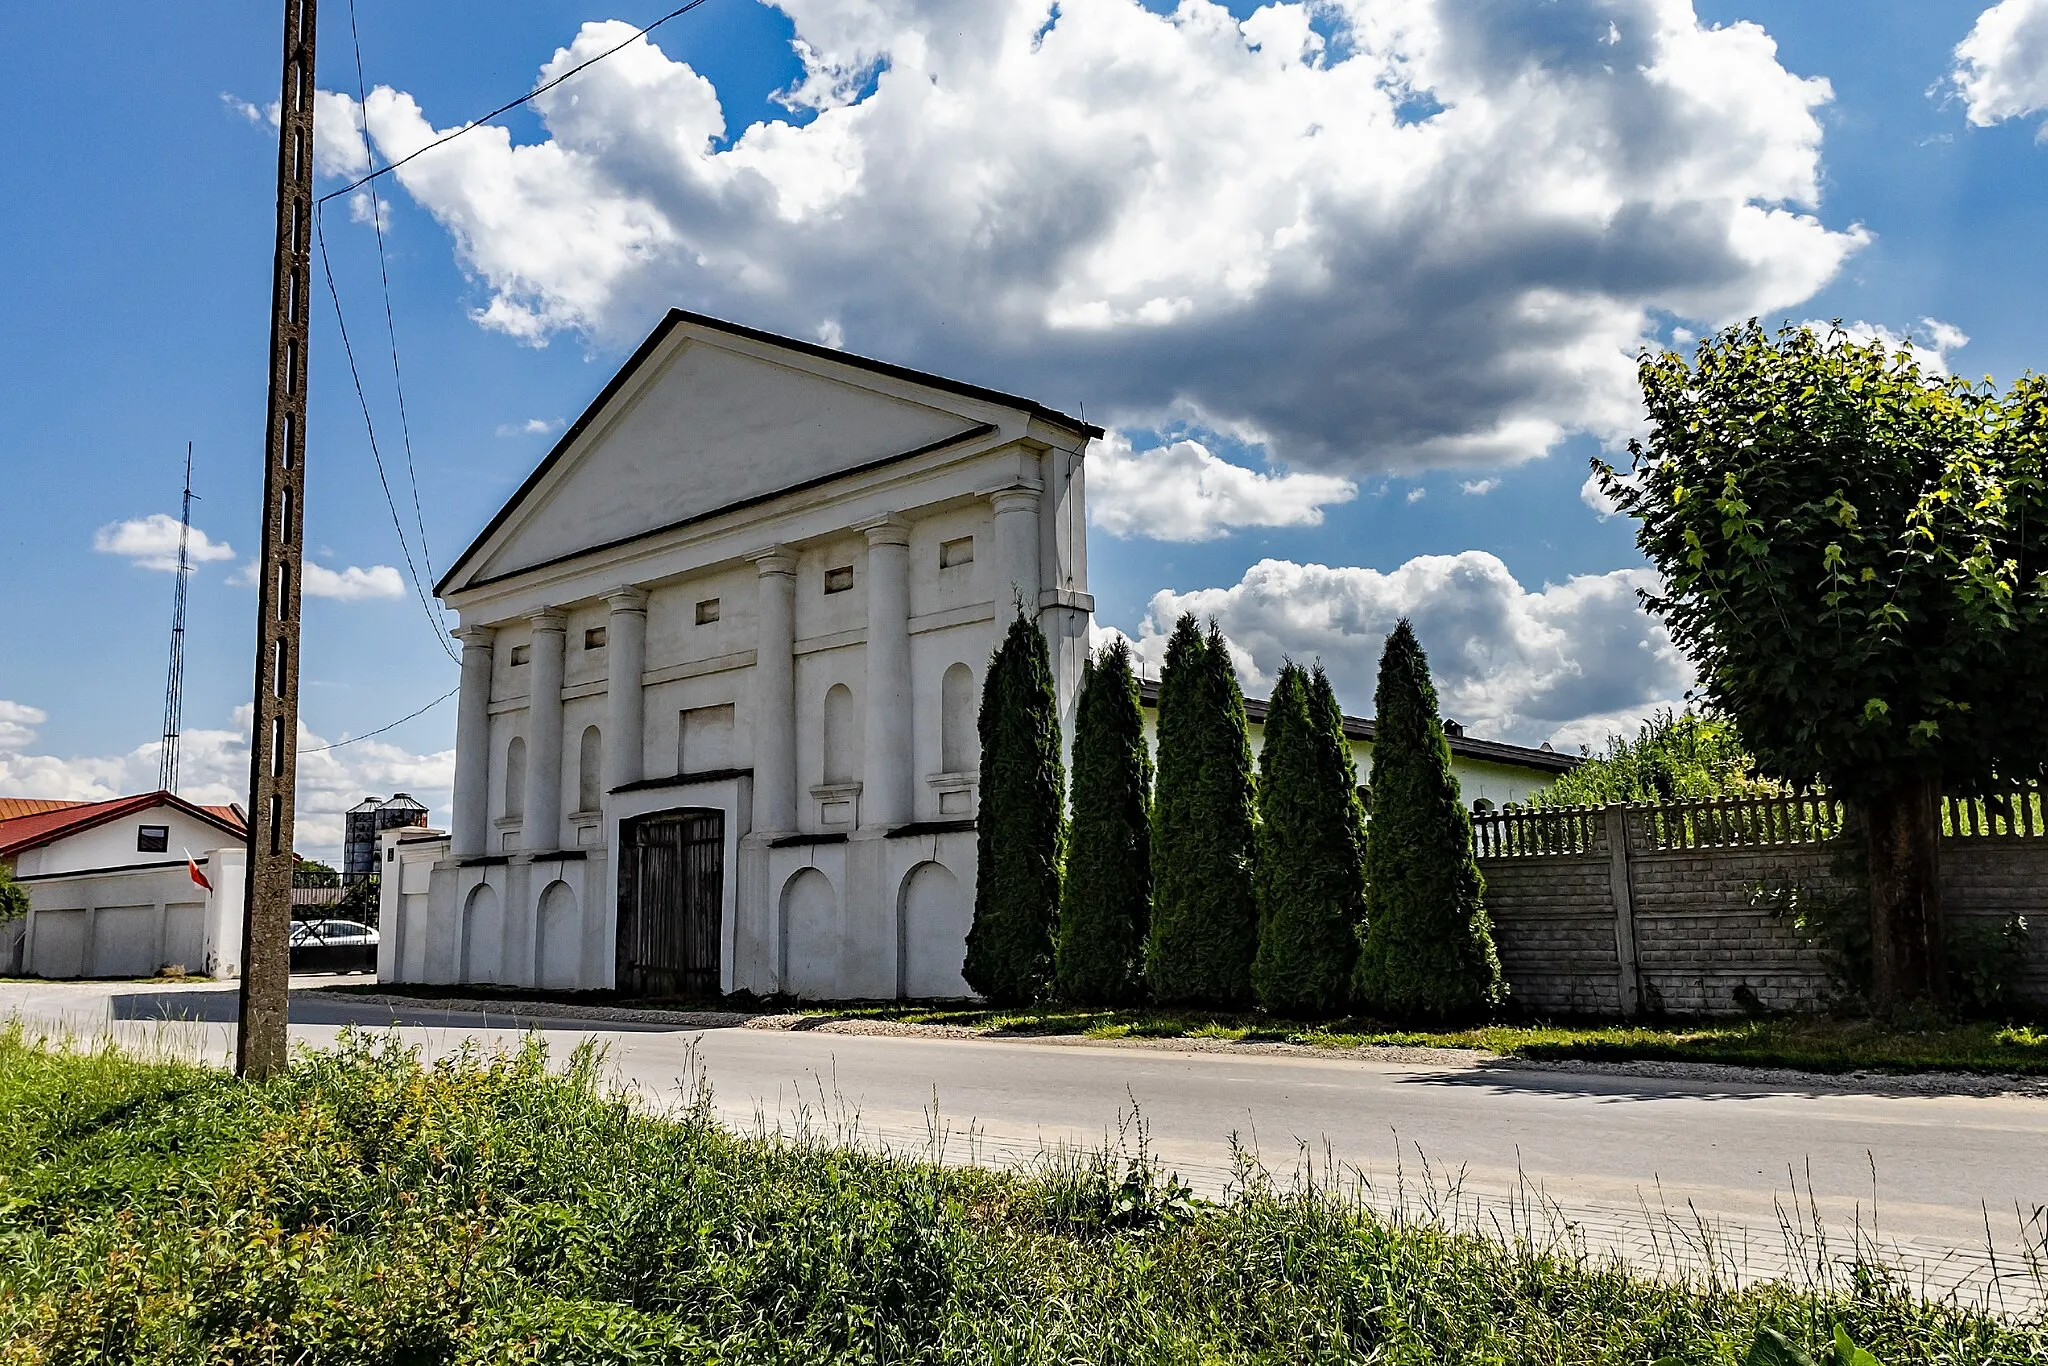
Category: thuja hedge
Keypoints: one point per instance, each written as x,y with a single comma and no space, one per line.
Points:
1106,894
1017,842
368,1210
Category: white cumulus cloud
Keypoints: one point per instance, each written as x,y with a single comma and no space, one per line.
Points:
1556,663
1373,235
352,584
152,543
214,769
2001,68
1181,491
1929,343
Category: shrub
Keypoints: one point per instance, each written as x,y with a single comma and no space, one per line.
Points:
1428,952
1205,920
1674,757
1311,874
1106,895
1017,839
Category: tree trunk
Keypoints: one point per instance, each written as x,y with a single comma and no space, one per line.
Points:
1907,965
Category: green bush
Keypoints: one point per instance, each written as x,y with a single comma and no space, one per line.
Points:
1017,838
1673,757
1205,919
1106,895
1428,953
1311,873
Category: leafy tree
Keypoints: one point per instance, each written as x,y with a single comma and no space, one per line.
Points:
1311,873
1853,557
1205,920
13,896
1428,951
1017,839
1106,896
311,872
1674,757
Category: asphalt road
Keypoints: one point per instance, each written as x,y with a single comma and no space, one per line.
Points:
1632,1165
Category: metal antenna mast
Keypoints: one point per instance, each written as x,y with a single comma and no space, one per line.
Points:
260,1048
174,686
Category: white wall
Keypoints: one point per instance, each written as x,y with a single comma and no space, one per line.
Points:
113,845
132,923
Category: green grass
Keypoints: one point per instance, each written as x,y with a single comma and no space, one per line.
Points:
1814,1043
368,1209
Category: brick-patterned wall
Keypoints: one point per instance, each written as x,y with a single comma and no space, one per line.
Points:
1699,940
1553,922
1702,947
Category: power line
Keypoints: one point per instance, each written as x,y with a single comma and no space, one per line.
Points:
384,273
509,106
322,749
334,293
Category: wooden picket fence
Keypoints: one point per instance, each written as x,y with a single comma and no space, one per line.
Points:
1735,822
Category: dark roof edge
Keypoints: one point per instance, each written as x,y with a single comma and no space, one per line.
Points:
1362,728
115,809
677,316
969,434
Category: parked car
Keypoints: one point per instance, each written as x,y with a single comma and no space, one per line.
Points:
333,946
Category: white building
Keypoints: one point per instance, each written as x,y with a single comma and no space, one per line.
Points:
111,890
722,656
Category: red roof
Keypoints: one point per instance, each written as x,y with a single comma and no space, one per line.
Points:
13,807
47,821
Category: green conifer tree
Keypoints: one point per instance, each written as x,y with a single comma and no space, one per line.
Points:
1205,920
1428,953
1017,838
1311,875
1106,896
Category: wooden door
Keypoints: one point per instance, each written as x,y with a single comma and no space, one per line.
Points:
671,893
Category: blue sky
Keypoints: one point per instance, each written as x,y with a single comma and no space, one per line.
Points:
1407,354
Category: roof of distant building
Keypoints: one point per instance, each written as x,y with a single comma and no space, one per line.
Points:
1462,745
34,828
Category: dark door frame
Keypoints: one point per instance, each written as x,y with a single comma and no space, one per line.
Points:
671,893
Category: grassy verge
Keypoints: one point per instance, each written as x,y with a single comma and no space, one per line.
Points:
367,1209
1808,1043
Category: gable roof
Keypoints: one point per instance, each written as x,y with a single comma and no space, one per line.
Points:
678,317
1463,746
57,820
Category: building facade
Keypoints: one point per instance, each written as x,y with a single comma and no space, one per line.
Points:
722,657
124,888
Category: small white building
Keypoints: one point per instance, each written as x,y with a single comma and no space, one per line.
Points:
722,657
111,886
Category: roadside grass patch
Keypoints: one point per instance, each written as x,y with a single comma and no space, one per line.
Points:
369,1208
1811,1043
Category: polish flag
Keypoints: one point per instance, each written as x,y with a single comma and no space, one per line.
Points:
192,867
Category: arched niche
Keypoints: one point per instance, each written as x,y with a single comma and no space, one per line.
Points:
959,746
515,777
810,936
590,770
483,935
933,914
842,744
559,954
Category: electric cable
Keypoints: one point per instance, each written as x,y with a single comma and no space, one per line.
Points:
322,749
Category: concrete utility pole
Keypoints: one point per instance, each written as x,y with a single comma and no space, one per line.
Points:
261,1049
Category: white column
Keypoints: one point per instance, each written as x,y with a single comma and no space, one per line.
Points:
625,646
473,745
541,831
885,797
1016,548
775,693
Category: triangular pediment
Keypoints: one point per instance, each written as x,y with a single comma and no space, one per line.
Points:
693,427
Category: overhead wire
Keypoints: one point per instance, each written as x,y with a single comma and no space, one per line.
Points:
322,749
384,274
391,330
510,105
